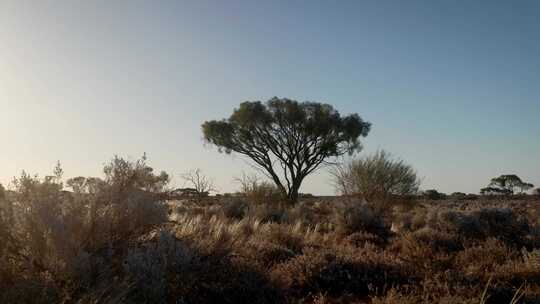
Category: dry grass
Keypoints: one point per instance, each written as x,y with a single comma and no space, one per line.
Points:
113,243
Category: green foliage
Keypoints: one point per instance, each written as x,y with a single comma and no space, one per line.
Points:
299,136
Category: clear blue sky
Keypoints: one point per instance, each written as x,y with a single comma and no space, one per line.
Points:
452,87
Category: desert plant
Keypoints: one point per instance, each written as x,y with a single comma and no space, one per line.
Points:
377,177
433,194
353,218
506,184
199,182
348,270
258,191
235,209
458,196
297,136
148,265
53,232
501,223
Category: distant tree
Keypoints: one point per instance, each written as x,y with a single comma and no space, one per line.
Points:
506,184
471,196
458,195
525,187
125,174
199,182
433,194
537,191
6,227
378,177
495,191
287,135
77,184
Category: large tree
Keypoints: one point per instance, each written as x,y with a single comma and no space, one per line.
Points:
286,138
506,184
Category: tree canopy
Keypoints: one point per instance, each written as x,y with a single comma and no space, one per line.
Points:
506,184
286,138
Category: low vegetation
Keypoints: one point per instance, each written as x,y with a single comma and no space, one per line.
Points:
118,239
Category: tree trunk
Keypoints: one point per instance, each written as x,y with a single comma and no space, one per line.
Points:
293,194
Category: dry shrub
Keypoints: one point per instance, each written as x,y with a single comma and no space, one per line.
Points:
109,241
54,234
266,254
285,236
437,240
346,270
353,218
359,239
425,251
482,258
234,209
377,178
504,224
267,213
409,220
147,266
259,192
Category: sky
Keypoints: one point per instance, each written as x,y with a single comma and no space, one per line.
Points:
451,87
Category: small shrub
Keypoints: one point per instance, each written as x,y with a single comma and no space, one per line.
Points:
499,223
433,194
149,264
359,218
259,192
235,209
282,235
267,254
336,272
267,213
482,258
359,239
377,178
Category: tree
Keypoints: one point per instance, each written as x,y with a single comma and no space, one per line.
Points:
524,187
495,191
506,184
377,177
296,137
537,191
200,182
125,174
433,194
